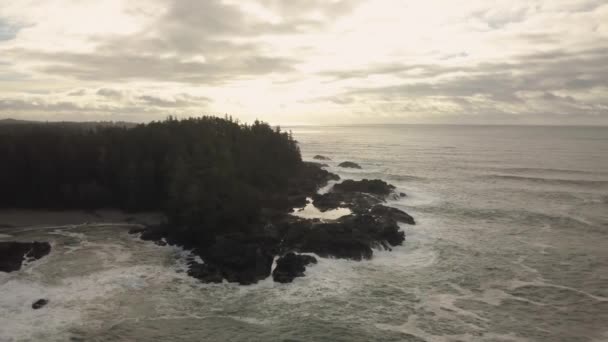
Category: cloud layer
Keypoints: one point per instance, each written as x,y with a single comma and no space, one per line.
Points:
341,61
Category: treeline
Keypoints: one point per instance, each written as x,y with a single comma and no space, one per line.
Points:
201,171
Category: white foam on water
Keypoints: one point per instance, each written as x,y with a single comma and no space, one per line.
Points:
251,320
327,278
65,232
404,257
69,301
516,283
5,236
411,327
491,295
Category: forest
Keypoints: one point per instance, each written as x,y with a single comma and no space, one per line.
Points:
208,172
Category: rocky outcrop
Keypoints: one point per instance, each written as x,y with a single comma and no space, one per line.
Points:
246,257
392,213
243,262
290,266
12,254
39,303
320,157
349,165
349,237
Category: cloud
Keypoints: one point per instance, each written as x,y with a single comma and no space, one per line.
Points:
192,41
79,92
182,100
277,60
111,93
528,84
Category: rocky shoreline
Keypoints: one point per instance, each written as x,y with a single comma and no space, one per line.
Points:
247,258
247,255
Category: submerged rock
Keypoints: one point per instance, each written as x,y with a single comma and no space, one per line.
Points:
290,266
349,164
39,303
320,157
12,254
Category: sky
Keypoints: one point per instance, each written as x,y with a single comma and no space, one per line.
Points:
306,61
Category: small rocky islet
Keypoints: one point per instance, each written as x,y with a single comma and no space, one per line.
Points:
247,257
349,165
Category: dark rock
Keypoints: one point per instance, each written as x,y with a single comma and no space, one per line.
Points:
137,230
320,157
309,178
376,231
245,255
332,240
240,260
328,201
205,273
356,201
392,213
13,253
290,266
350,237
39,303
349,164
402,194
154,233
297,201
375,187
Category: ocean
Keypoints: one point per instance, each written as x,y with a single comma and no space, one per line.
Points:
511,244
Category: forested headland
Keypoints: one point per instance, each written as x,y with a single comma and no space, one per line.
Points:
204,170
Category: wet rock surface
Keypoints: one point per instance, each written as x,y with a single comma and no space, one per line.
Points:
12,254
290,266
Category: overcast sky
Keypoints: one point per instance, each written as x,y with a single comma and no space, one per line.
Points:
306,61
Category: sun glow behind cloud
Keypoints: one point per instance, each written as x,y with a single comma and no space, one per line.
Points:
306,61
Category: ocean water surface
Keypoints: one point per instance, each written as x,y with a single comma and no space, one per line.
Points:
511,245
